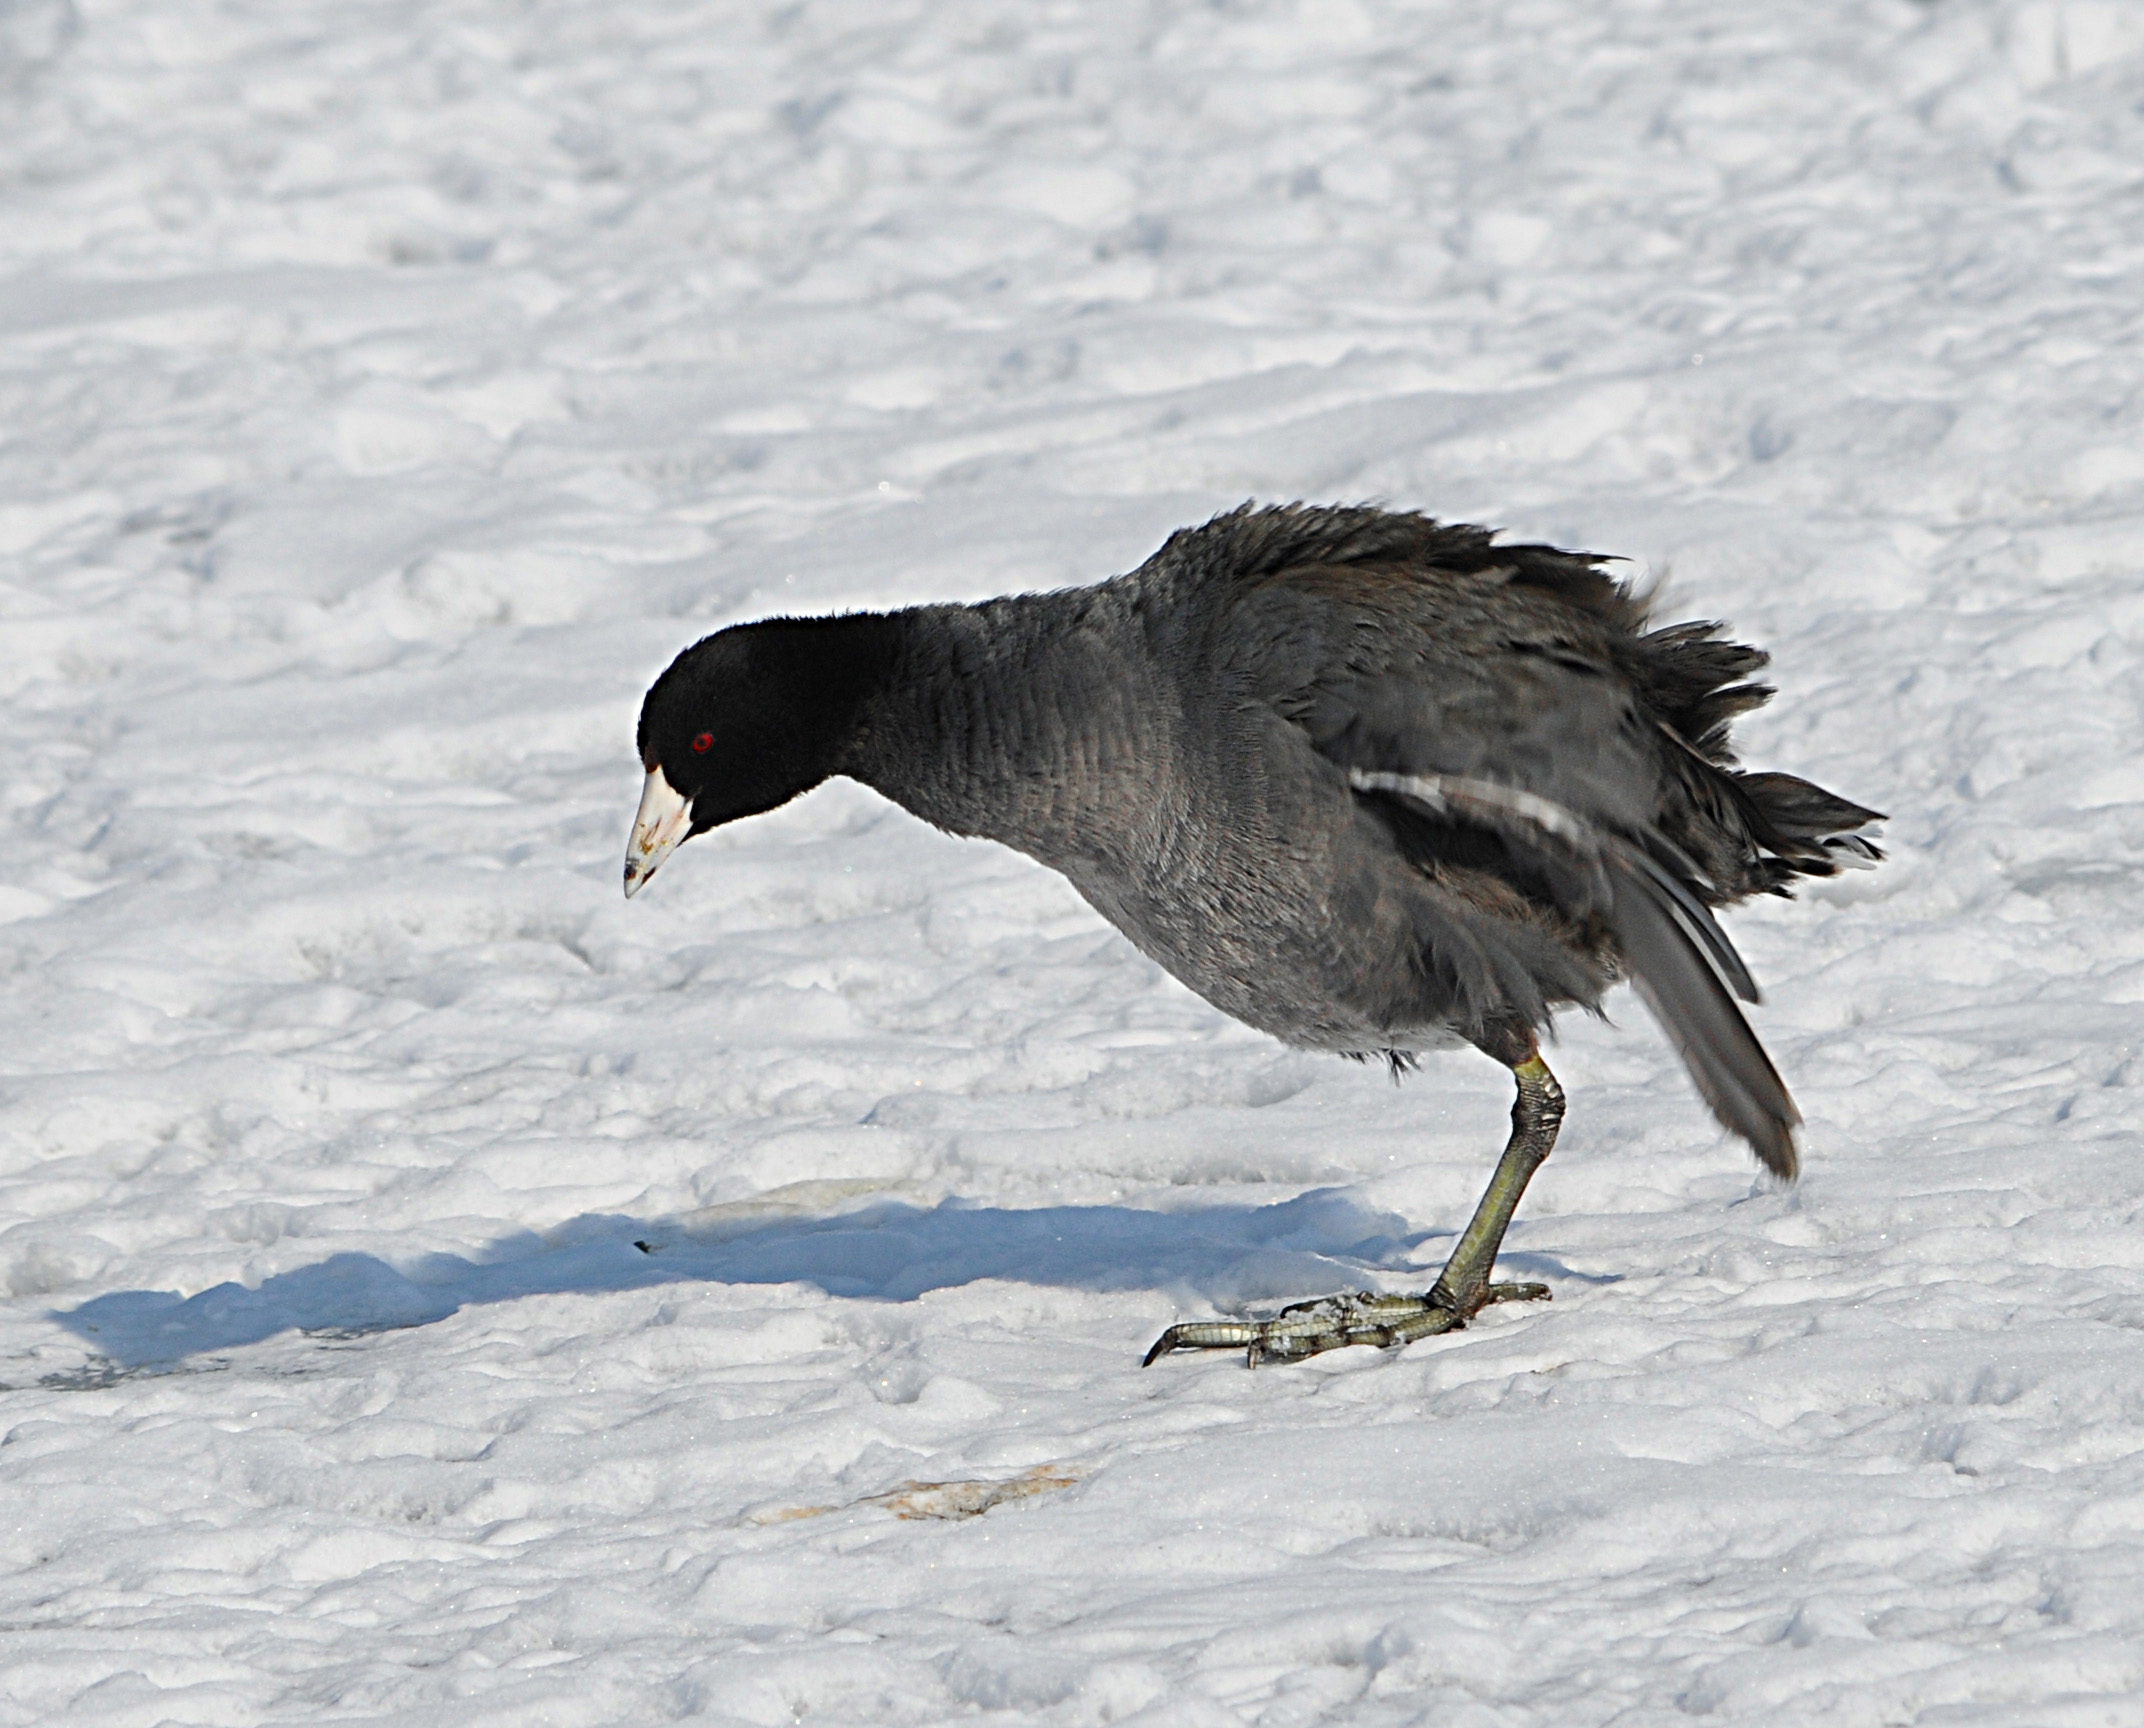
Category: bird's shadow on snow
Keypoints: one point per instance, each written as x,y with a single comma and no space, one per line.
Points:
1222,1256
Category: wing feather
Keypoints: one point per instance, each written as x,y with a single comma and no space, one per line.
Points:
1680,960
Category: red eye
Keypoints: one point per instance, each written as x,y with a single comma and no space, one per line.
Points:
704,743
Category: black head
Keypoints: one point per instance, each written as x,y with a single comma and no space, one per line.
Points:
748,718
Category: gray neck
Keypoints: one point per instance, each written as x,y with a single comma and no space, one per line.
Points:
1002,720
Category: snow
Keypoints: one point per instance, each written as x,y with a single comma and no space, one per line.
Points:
387,391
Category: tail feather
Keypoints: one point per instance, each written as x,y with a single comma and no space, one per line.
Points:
1803,811
1808,831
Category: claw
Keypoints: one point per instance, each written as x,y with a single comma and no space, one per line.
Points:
1330,1322
1201,1335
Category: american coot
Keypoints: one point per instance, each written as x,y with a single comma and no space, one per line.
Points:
1361,779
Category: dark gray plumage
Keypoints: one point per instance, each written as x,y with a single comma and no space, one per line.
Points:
1364,780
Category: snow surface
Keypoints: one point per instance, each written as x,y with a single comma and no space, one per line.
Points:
390,389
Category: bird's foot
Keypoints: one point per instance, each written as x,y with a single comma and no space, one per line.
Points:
1366,1317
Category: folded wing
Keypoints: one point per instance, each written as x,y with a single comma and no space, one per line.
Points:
1679,959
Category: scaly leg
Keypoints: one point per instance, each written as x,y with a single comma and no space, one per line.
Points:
1463,1288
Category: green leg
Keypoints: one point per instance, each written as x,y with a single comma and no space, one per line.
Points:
1463,1286
1462,1290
